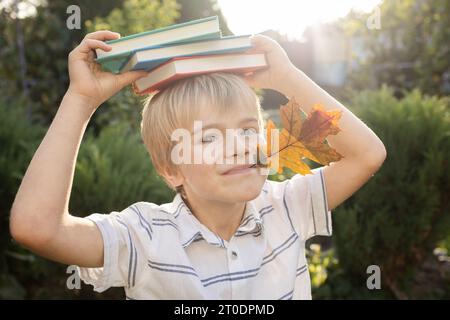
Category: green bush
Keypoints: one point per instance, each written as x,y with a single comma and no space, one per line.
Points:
330,281
19,136
18,139
113,171
396,219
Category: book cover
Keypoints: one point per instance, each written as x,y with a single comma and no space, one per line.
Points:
102,54
154,63
115,62
181,75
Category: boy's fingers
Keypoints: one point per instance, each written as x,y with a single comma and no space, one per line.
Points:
262,43
259,40
130,76
90,44
249,78
91,55
102,35
92,41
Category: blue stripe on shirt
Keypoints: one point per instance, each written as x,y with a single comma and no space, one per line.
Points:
147,228
131,255
232,276
286,207
287,296
286,244
325,200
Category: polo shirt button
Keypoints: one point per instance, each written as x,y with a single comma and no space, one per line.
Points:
234,254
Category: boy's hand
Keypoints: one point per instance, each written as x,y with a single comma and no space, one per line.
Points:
87,80
279,65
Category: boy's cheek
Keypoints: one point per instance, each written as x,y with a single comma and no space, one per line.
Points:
203,175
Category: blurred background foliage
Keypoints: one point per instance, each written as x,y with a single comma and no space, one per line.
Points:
411,49
399,221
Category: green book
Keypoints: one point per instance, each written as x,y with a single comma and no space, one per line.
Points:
123,48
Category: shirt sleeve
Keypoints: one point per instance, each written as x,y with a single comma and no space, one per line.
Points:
304,201
119,253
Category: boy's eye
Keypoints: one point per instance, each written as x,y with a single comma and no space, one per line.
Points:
210,138
248,131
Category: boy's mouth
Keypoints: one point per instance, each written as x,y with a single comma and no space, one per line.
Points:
240,169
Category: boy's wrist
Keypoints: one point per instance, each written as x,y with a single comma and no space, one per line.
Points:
84,100
85,105
293,82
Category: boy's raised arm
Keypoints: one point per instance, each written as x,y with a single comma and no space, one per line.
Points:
363,151
39,216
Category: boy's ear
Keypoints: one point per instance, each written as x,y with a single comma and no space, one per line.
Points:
173,176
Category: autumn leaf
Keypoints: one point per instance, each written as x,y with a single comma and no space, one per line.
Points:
302,136
292,118
315,129
319,125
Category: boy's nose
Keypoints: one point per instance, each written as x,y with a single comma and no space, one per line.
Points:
240,147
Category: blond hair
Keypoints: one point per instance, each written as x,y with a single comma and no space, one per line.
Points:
178,105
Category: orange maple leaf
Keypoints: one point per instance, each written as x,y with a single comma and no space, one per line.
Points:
302,137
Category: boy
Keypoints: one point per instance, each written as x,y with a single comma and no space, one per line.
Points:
229,233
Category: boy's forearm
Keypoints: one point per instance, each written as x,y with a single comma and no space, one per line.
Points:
45,189
356,140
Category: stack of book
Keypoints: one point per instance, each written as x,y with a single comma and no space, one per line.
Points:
180,51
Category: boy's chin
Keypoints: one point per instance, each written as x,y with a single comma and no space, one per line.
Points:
242,189
244,194
250,197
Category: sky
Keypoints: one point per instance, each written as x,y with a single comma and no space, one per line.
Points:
289,17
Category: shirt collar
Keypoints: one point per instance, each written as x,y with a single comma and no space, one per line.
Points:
251,221
191,229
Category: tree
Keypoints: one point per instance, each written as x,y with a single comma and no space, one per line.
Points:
137,16
195,9
46,42
410,50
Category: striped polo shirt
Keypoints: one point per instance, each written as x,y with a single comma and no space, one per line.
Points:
165,252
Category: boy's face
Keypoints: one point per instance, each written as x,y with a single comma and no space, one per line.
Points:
223,149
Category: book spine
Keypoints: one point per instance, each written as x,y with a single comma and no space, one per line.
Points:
163,29
115,63
162,84
150,65
187,39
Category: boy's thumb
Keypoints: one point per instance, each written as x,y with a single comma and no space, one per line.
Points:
130,76
249,79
